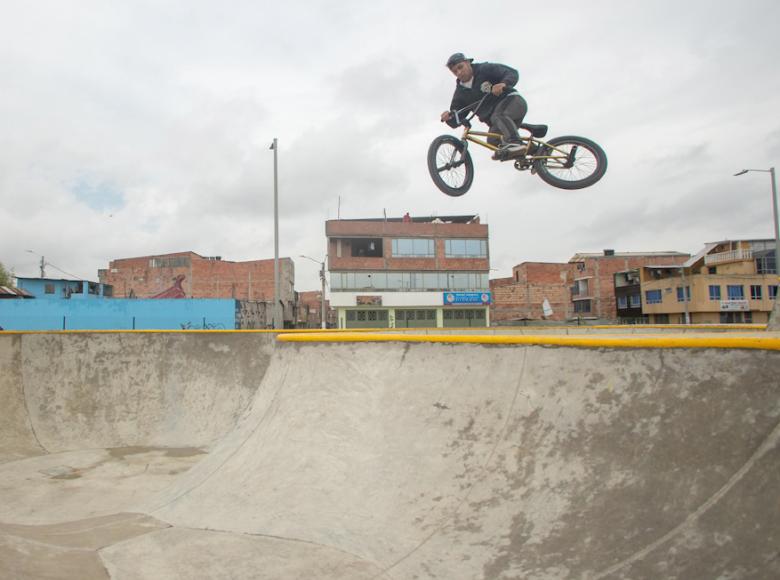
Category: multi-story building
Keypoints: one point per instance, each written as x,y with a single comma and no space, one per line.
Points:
593,289
728,281
409,272
628,297
583,288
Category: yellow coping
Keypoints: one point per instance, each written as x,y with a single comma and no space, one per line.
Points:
342,331
733,342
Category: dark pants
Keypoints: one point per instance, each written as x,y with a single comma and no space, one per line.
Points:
507,115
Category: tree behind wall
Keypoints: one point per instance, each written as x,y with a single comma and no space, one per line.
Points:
6,277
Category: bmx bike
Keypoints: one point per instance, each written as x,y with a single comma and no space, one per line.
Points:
565,162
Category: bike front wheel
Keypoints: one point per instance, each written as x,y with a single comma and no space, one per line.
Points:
572,163
450,165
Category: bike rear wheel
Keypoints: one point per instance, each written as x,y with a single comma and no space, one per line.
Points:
574,163
450,165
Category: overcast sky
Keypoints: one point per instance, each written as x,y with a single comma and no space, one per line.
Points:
143,127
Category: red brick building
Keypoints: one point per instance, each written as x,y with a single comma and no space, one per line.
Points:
584,287
196,276
522,297
310,308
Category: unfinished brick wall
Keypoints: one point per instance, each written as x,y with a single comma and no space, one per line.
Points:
522,296
203,278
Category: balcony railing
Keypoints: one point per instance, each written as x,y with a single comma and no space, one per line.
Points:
739,255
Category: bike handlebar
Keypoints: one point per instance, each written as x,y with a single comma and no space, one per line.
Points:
466,121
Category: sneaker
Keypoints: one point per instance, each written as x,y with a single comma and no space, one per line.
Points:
509,151
514,149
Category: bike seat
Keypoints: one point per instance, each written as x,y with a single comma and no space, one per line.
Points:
538,131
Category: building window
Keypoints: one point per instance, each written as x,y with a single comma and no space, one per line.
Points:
366,248
748,317
712,269
714,292
735,292
680,294
755,292
465,248
409,281
48,288
635,300
582,306
581,288
175,262
773,292
413,248
766,264
653,296
662,319
622,302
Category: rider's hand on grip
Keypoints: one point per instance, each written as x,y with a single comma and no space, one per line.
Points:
452,122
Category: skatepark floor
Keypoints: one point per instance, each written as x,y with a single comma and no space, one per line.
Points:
589,453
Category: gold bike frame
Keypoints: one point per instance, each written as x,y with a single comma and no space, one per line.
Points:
474,137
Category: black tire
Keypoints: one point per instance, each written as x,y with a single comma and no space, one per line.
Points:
450,165
589,163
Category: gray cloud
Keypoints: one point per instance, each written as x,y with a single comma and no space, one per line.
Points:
144,127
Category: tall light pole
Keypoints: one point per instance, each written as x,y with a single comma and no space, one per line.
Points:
774,317
322,294
277,294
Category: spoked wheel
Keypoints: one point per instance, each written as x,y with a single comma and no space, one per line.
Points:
574,163
450,165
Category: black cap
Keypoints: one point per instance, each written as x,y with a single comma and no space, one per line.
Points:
456,58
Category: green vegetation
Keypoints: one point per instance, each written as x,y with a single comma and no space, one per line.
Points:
6,277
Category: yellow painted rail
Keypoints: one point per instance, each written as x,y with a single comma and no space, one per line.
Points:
593,341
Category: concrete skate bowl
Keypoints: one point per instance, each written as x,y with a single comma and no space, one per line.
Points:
415,457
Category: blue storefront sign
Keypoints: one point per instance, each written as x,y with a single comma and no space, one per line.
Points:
459,298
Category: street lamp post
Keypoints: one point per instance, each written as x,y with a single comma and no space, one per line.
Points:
277,315
774,317
322,292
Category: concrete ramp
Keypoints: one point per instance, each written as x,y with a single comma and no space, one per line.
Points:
405,460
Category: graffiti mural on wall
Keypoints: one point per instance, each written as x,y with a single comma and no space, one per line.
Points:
175,291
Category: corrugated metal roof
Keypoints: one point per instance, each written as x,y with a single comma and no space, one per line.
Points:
12,292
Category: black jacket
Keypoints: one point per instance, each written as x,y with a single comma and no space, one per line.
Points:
494,73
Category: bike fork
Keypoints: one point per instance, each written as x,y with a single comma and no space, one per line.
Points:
570,158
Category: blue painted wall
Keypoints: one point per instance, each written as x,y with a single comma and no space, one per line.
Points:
118,314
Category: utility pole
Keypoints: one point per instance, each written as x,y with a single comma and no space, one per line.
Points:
323,318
